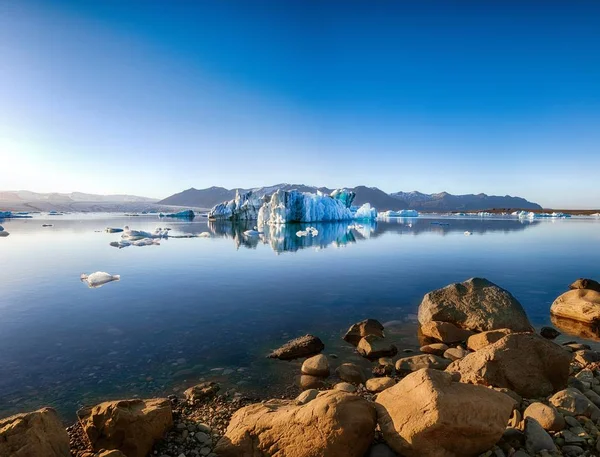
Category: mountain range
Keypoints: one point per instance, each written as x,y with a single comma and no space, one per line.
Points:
443,201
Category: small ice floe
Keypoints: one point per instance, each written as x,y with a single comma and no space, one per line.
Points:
99,278
467,233
113,230
310,231
204,235
129,234
146,242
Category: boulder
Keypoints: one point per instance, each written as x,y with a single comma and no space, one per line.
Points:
476,304
582,305
351,373
35,434
455,353
304,346
374,347
111,453
345,387
536,438
571,402
381,450
444,331
309,382
583,283
306,396
201,392
546,415
434,348
131,426
549,333
335,423
428,414
483,339
417,362
316,366
362,329
379,384
524,362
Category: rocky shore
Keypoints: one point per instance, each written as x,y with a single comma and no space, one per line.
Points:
484,384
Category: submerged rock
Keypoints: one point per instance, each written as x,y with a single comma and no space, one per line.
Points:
335,423
428,414
131,426
38,433
476,304
526,363
304,346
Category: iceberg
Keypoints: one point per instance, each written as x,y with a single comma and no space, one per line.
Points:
113,230
294,206
98,279
185,214
467,233
401,213
11,215
243,207
365,212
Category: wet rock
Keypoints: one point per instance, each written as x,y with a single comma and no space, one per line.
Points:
374,347
476,304
428,414
483,339
316,366
131,426
361,329
546,415
549,333
351,373
333,424
304,346
379,384
444,331
416,362
526,363
38,433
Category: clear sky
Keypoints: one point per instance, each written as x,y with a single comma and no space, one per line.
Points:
153,97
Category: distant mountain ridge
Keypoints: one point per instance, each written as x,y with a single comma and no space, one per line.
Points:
207,198
71,197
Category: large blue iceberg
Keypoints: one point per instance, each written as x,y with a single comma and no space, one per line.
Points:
186,214
244,207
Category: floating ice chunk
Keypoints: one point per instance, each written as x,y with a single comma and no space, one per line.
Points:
185,214
204,235
146,242
467,233
120,244
99,278
309,231
365,212
47,225
113,230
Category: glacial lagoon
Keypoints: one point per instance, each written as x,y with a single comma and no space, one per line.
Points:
212,308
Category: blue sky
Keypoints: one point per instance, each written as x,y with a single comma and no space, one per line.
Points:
153,97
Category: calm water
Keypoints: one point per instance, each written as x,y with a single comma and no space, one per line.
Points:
199,308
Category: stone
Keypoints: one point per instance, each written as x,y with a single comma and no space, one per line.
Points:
131,426
536,438
361,329
583,283
376,385
571,450
201,392
304,346
416,362
524,362
307,396
381,450
374,347
444,331
582,305
309,382
382,370
33,434
428,414
434,348
110,453
351,373
546,415
345,387
483,339
335,423
455,353
592,396
476,304
316,366
572,402
549,333
586,356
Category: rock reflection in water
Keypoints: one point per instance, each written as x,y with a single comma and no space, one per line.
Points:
576,328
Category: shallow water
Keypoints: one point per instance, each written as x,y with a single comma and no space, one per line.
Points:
197,308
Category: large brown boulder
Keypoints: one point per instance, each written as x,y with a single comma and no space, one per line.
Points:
374,347
362,329
582,305
304,346
526,363
35,434
583,283
444,331
428,414
334,424
131,426
476,304
483,339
